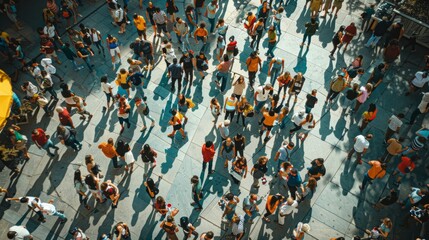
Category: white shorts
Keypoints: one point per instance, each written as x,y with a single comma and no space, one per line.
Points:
115,50
129,158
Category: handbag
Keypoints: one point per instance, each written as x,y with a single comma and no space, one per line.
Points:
235,51
146,111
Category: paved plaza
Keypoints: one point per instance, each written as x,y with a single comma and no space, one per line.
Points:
338,207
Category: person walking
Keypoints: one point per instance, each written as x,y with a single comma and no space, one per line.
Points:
294,182
364,92
303,228
257,32
81,110
49,68
317,169
418,82
360,146
229,201
310,29
109,150
311,101
336,41
97,40
197,193
238,170
81,189
113,47
152,188
240,144
238,87
150,11
269,118
67,137
107,89
18,140
170,228
148,156
50,209
215,109
272,41
188,63
273,201
295,87
123,113
285,209
191,19
253,63
367,16
377,170
394,148
84,53
19,232
42,140
201,63
261,96
122,231
422,108
64,117
181,29
208,152
224,129
407,165
201,34
284,153
33,203
230,107
259,170
176,122
377,76
337,85
93,184
143,110
368,116
111,192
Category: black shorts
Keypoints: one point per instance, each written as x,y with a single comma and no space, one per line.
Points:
177,127
125,86
152,21
141,32
124,21
161,27
268,127
148,57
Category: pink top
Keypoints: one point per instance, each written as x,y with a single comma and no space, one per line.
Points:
362,98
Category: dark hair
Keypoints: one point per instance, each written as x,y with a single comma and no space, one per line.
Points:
342,28
202,25
321,160
229,196
11,234
174,60
313,20
173,111
77,176
209,143
135,16
23,200
381,66
103,79
225,58
210,234
189,8
150,184
194,179
271,112
372,107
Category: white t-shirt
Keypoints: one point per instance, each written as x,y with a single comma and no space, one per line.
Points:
288,209
262,94
30,202
37,72
48,208
106,87
278,17
50,31
419,81
361,143
424,103
95,36
21,232
394,123
119,14
297,118
129,157
211,11
238,228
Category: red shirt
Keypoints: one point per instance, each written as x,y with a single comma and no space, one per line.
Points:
65,118
208,153
406,163
40,139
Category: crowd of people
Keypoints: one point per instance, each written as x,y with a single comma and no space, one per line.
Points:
184,50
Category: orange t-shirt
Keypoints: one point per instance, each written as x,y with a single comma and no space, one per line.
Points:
269,120
376,171
253,64
108,150
201,32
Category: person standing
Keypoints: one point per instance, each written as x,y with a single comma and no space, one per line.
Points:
295,87
140,24
42,140
175,71
223,73
230,107
250,207
367,16
310,29
317,169
197,193
211,14
84,53
269,118
113,47
368,116
257,32
240,144
253,63
81,189
188,62
208,151
147,54
238,87
176,122
170,228
143,110
224,129
261,96
258,171
336,41
123,113
361,145
272,41
201,34
407,165
276,68
181,29
273,201
377,170
350,32
191,19
97,40
227,151
364,92
422,108
311,101
286,208
109,150
111,192
67,137
150,11
294,182
120,17
378,32
283,154
107,89
18,140
418,82
394,148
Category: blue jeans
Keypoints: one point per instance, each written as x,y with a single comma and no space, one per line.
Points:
366,179
373,40
307,36
210,163
277,27
283,122
212,24
88,63
271,46
197,201
274,74
222,77
259,106
203,48
307,109
60,215
49,144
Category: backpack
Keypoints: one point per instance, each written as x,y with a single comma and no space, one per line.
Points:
184,221
65,12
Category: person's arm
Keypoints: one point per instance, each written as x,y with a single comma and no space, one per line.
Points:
283,66
233,149
221,150
269,67
364,150
245,171
13,199
252,171
255,95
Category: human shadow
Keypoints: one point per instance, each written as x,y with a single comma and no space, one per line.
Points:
301,64
346,178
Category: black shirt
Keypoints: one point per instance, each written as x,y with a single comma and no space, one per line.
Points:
260,170
199,3
136,46
377,75
314,170
150,11
351,94
187,61
145,47
311,101
122,150
388,200
200,61
381,28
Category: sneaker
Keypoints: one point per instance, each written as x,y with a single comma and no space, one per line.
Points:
153,124
143,128
211,172
331,57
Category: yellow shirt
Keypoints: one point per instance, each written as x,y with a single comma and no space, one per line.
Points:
140,23
5,36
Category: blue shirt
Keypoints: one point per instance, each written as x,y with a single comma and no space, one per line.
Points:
136,78
294,181
175,70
